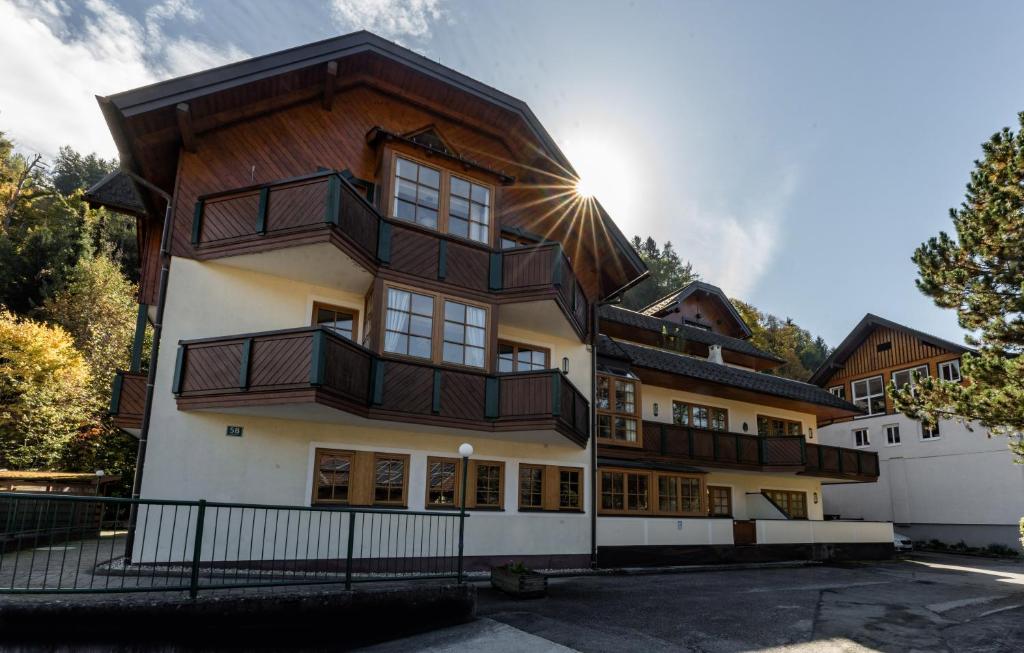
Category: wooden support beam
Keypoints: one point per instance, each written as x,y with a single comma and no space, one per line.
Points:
329,83
188,135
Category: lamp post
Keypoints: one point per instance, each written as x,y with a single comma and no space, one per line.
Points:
465,450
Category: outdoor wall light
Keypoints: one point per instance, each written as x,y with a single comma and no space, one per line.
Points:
655,409
745,427
565,365
815,498
810,433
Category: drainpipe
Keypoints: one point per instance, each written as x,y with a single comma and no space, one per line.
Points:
154,353
594,329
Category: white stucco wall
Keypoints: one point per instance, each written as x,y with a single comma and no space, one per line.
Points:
190,457
964,477
822,532
681,531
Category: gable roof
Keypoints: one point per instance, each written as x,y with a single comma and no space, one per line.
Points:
650,323
116,191
696,368
856,337
146,122
677,297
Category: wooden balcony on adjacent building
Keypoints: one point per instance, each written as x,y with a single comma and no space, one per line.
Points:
346,241
128,400
670,443
313,374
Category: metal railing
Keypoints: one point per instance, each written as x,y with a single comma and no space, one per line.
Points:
74,544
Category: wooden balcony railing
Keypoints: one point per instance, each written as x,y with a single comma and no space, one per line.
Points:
128,399
315,365
325,206
687,445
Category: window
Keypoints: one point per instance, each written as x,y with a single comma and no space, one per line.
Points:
860,438
436,199
410,323
550,487
627,491
892,435
838,391
906,377
333,476
794,504
514,241
417,193
389,479
617,409
930,432
569,495
464,329
442,482
701,417
531,487
949,371
469,207
869,395
513,357
720,501
339,320
775,426
697,325
488,483
883,346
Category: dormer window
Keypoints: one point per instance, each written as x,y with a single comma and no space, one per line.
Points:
437,199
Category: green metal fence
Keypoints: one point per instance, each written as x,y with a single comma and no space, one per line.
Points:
65,544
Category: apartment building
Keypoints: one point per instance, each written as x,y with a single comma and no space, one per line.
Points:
953,482
357,259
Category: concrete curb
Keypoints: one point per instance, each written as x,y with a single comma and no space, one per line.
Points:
482,576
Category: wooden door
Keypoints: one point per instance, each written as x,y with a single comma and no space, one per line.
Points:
744,532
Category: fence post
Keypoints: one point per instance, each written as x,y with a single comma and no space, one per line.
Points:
462,512
348,554
197,549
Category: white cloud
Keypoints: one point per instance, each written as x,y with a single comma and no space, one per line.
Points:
393,19
733,249
52,66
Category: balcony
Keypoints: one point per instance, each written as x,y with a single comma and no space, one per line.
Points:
663,442
345,241
128,400
332,379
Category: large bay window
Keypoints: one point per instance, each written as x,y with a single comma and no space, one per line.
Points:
869,395
651,492
618,409
438,199
409,328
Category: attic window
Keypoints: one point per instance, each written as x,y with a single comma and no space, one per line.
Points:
430,138
883,346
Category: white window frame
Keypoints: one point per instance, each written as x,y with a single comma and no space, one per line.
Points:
857,443
954,365
888,435
838,391
917,368
867,381
933,438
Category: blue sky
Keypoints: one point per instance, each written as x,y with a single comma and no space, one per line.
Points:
796,152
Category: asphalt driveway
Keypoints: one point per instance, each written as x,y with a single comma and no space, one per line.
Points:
924,603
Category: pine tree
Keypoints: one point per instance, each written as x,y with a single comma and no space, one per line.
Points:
980,274
668,273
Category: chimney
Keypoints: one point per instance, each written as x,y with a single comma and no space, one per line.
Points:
715,354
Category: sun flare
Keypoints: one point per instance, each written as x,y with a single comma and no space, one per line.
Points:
606,173
584,188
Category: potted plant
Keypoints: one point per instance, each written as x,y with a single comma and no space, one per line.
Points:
516,579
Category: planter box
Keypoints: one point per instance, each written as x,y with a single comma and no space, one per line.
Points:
526,585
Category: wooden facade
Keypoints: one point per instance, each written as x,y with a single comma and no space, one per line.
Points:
311,365
128,399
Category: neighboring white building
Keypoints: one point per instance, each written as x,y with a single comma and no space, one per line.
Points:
953,483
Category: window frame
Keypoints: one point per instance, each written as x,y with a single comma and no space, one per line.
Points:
841,394
611,413
457,487
690,418
519,488
867,380
404,458
888,435
465,324
444,198
337,308
790,494
711,501
320,453
515,345
550,489
910,370
953,363
787,422
437,327
653,495
579,493
935,433
473,487
857,443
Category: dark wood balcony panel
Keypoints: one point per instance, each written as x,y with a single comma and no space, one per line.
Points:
314,365
128,399
324,207
663,442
